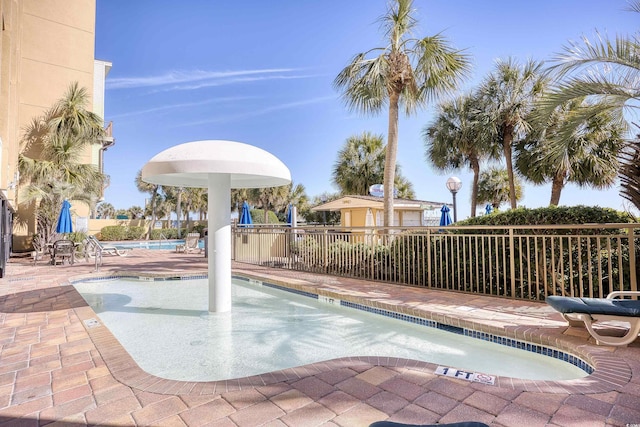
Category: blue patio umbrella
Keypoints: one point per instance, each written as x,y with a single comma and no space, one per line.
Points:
445,218
290,215
488,209
64,219
245,216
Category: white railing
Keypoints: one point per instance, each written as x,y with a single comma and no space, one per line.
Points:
516,262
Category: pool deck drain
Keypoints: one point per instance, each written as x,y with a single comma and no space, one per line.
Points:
55,368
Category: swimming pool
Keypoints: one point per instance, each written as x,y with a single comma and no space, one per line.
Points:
269,329
153,244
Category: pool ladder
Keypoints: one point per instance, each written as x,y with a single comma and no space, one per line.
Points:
162,238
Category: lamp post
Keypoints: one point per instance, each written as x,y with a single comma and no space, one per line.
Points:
454,185
323,199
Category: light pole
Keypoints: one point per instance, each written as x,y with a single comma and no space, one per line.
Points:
454,185
323,199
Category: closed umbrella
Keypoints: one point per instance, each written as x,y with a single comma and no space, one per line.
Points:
64,219
290,215
245,216
445,218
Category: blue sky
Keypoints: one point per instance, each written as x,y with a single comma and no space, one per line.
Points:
261,72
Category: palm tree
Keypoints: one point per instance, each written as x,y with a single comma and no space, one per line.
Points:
508,95
406,72
457,139
135,212
70,115
588,156
297,194
106,210
51,161
153,191
493,187
403,189
271,198
607,72
238,197
361,163
197,201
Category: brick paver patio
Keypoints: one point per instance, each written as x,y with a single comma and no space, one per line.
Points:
55,370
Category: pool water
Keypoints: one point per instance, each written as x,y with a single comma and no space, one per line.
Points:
153,244
166,328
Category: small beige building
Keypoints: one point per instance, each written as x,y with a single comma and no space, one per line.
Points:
368,211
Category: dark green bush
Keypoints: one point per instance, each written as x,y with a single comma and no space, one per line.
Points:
347,258
135,233
308,252
257,217
113,233
199,228
76,236
554,215
167,233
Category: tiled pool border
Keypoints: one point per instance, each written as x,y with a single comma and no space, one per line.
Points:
608,372
497,339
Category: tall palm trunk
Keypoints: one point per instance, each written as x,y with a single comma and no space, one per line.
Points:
390,159
475,167
153,212
507,139
557,184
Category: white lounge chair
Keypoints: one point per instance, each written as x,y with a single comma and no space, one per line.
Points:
91,243
591,310
190,244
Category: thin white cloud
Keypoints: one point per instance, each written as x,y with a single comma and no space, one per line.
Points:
171,107
254,113
178,78
223,82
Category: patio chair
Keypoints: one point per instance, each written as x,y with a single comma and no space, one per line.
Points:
63,251
106,249
577,311
190,244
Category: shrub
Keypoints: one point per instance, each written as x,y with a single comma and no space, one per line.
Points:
135,233
167,233
308,252
257,216
76,236
113,233
199,228
551,216
347,258
121,232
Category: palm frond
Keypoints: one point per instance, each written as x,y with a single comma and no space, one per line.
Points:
364,83
440,68
398,22
621,52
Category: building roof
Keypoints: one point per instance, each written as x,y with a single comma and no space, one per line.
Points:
346,202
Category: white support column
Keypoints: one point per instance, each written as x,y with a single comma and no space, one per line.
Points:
219,242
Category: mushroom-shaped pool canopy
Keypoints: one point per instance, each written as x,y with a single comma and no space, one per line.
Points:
218,166
191,163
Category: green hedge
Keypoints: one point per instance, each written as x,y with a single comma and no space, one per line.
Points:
257,217
113,233
119,233
167,233
553,215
